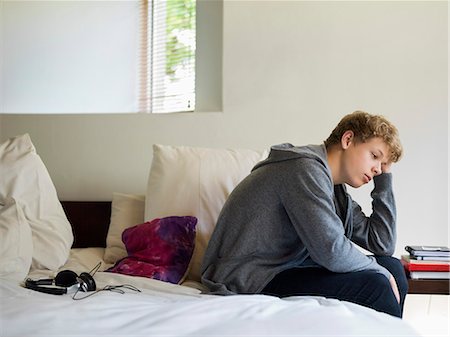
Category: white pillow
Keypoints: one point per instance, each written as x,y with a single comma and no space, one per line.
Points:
16,245
195,181
25,178
127,210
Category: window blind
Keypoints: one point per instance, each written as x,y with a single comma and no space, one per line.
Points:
168,55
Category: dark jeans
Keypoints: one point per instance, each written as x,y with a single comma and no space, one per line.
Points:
366,288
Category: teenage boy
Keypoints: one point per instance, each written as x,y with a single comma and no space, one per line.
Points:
289,227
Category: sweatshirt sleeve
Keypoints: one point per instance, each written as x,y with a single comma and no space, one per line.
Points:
377,233
307,196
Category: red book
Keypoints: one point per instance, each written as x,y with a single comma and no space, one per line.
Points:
422,265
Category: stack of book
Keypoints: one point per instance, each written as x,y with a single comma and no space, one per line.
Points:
427,262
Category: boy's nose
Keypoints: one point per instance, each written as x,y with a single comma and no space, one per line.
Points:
377,169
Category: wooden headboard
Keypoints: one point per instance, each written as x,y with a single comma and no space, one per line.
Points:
90,222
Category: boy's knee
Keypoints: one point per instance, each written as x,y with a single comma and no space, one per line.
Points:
385,298
395,267
382,288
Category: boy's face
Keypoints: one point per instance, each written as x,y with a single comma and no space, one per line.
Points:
362,161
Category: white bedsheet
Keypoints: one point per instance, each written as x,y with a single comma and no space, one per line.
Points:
163,309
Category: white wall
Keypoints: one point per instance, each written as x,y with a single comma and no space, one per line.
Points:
291,70
71,56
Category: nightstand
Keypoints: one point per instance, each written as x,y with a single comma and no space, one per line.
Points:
429,286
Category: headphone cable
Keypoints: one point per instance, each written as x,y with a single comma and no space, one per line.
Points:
112,288
95,269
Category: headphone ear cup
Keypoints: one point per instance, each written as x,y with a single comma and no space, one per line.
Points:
87,282
66,278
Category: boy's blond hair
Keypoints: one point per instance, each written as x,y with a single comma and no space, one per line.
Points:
366,126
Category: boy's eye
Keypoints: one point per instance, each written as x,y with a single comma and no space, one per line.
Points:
374,156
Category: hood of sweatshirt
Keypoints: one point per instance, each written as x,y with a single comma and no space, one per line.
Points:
287,151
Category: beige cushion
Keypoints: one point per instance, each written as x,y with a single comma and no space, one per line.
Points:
127,210
25,178
195,181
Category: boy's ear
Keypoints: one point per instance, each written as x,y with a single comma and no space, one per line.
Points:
347,138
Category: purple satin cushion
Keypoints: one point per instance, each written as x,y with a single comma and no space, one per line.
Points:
160,249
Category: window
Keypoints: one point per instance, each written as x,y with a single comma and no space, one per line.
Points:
130,56
168,62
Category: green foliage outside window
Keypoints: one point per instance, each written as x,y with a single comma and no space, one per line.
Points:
180,20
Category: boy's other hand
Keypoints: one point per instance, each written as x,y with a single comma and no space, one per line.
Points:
394,288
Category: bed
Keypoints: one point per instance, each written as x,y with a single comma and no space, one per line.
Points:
183,183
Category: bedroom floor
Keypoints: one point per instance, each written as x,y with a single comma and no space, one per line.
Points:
428,314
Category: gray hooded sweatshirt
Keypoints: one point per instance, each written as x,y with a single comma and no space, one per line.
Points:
288,213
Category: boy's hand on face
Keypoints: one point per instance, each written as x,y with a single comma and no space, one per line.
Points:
386,167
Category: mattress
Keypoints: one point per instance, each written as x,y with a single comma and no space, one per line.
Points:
165,309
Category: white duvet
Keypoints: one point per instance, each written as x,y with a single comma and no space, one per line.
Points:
163,309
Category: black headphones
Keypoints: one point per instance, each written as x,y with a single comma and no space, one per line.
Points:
66,281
